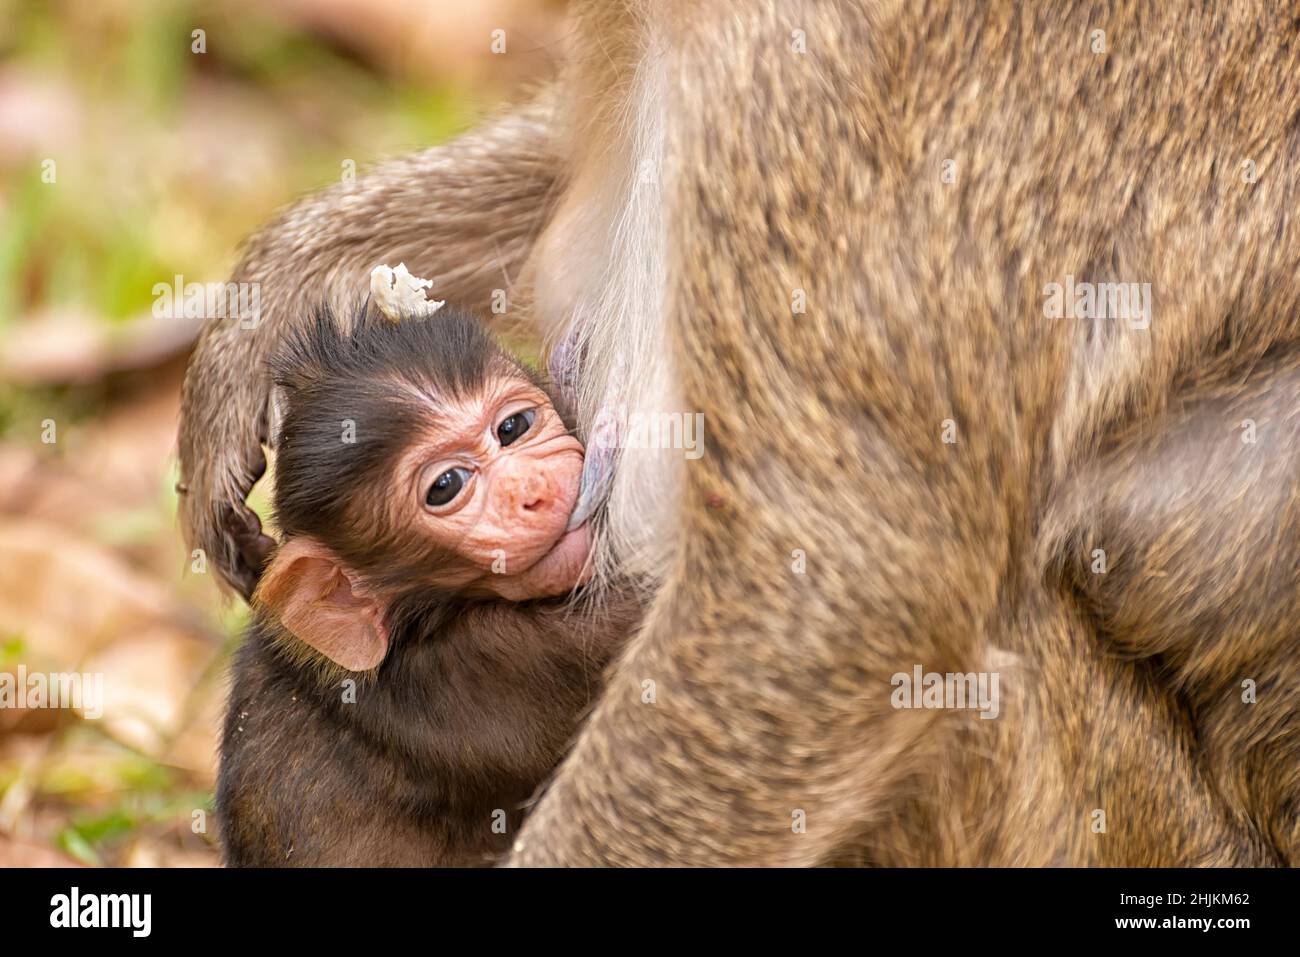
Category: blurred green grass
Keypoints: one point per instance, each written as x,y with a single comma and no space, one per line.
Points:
144,190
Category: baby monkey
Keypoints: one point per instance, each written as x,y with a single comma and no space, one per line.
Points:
415,669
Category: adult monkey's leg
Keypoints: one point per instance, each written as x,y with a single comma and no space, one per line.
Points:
464,214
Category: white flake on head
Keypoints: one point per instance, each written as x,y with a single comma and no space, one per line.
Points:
398,294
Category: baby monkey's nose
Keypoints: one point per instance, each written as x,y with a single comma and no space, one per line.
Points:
534,492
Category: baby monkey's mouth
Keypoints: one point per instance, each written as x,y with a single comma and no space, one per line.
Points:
561,569
565,562
568,555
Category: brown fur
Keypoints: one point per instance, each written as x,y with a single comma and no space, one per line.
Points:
447,738
823,172
925,303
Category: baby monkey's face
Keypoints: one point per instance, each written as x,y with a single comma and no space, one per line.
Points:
494,480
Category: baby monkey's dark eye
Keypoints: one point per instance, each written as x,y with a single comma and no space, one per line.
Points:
515,426
446,486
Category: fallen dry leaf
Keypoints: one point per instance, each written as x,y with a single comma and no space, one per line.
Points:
80,608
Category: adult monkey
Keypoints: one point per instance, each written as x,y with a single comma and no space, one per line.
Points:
805,148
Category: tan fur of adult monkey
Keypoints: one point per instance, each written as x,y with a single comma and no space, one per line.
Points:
701,172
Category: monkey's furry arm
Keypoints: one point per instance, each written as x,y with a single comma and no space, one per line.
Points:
465,213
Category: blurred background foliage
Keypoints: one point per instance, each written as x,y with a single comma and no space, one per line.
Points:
126,159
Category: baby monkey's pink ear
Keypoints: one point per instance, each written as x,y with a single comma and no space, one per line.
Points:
319,600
